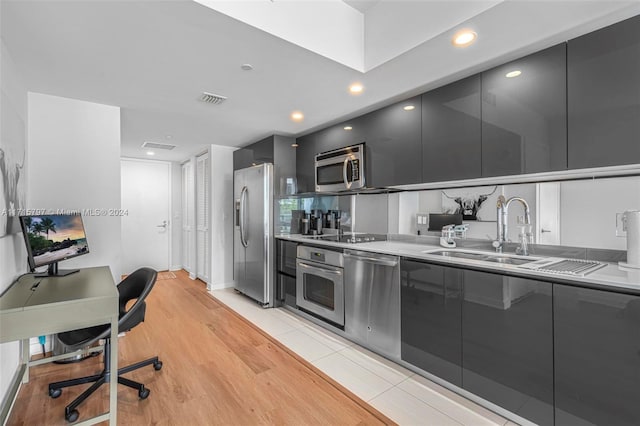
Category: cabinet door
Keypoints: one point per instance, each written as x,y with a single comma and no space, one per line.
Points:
257,153
305,167
431,319
524,120
451,131
604,96
597,356
286,255
394,147
507,338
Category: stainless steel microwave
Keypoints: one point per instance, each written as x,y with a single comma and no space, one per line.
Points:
341,169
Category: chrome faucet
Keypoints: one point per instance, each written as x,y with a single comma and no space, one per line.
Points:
502,220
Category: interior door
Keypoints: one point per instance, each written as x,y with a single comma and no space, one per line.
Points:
203,257
145,226
548,223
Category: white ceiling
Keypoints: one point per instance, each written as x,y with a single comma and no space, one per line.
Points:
154,58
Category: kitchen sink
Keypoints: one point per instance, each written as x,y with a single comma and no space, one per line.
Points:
485,257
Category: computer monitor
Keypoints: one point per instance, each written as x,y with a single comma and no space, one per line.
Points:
53,238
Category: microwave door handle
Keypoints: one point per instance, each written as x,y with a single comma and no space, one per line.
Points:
347,183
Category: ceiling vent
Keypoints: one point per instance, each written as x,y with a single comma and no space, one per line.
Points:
156,145
212,98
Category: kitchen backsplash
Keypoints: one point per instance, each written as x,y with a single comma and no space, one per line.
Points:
579,213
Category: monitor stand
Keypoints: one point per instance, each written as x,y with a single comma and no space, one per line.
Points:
53,271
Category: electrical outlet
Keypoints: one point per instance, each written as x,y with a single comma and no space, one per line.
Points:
621,225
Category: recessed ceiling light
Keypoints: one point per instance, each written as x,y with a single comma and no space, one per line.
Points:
246,67
297,116
348,128
513,73
409,108
464,38
295,144
356,88
151,153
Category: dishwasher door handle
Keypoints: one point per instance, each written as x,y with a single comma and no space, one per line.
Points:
374,260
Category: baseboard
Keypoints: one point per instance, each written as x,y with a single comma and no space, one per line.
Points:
221,286
12,392
192,275
175,268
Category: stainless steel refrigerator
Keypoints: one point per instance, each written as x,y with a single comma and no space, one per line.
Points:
253,232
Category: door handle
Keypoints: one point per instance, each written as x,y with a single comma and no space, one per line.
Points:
347,183
164,224
243,201
545,230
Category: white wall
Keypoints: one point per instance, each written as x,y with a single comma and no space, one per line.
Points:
74,163
13,256
221,216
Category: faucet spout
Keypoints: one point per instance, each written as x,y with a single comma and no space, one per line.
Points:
502,207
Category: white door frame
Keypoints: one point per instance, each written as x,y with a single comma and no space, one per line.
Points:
169,203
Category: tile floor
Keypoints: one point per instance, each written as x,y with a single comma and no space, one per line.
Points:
405,397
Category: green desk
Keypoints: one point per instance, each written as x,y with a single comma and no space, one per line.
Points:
88,297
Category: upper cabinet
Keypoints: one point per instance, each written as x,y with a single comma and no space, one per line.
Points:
276,150
451,131
573,105
393,140
257,153
524,121
604,96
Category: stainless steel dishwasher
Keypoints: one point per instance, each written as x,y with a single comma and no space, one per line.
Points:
372,300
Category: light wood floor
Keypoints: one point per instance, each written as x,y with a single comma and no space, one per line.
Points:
218,369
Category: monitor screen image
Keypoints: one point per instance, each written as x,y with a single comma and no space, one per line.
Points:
52,238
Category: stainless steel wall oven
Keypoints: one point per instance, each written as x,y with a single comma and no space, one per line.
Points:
320,283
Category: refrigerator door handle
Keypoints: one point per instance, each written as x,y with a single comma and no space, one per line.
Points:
243,199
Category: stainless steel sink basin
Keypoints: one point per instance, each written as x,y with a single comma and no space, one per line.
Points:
485,257
509,260
460,254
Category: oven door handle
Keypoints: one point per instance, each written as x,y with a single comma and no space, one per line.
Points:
320,268
345,165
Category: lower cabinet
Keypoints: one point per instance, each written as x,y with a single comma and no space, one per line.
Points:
487,333
431,301
507,343
597,356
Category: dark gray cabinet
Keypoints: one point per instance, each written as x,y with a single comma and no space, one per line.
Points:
604,96
328,139
392,137
451,124
393,141
305,154
286,271
257,153
431,301
507,343
276,150
524,119
597,356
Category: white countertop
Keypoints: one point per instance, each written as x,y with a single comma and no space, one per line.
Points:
610,277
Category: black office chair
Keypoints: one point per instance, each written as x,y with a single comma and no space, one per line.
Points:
136,286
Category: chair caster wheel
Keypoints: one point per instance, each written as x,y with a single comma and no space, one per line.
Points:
54,393
144,393
72,416
157,365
